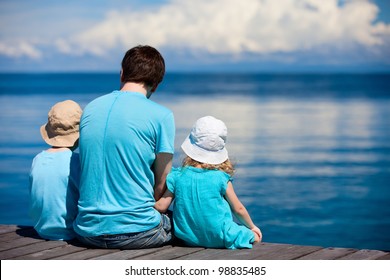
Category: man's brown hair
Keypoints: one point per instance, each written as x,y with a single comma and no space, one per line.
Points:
143,64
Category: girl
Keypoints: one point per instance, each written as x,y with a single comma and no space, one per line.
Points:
204,194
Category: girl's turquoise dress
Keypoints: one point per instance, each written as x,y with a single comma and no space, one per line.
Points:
201,215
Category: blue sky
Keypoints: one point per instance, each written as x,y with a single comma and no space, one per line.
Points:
197,35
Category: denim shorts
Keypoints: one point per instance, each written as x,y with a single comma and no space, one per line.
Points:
159,236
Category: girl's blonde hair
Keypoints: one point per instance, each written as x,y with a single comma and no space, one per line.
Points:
226,166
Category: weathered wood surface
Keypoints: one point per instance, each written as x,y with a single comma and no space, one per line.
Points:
23,243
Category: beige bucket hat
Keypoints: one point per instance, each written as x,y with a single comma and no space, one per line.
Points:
62,127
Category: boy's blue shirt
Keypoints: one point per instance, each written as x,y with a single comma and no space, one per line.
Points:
54,181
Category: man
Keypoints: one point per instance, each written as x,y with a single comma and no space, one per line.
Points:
126,150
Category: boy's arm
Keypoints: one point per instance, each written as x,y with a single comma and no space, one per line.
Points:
161,167
239,210
163,203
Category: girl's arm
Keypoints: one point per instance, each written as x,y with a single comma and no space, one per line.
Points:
240,211
163,203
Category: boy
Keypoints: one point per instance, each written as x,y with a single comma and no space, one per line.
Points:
54,176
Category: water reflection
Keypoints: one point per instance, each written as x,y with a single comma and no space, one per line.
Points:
294,130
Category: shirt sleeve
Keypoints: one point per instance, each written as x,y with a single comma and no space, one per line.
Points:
166,136
171,180
225,178
75,170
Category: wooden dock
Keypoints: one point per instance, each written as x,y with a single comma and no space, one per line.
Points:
23,243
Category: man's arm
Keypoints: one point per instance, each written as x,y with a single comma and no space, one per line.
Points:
162,166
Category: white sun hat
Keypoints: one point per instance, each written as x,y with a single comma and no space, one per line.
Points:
206,142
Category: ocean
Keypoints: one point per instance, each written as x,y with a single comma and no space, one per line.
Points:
312,152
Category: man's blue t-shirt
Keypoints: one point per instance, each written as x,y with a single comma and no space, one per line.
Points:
120,135
54,181
201,214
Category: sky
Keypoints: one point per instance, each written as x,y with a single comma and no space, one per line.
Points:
197,35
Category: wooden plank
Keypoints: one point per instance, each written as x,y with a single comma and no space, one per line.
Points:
328,254
11,236
51,253
16,243
266,250
13,228
128,254
364,255
8,228
31,248
18,238
385,257
290,252
273,251
206,254
259,251
86,254
170,253
18,231
226,254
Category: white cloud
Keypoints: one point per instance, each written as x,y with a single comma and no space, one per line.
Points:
19,49
210,31
236,26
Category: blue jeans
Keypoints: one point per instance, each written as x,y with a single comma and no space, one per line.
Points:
156,237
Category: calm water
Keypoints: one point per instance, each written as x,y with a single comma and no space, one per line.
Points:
312,151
